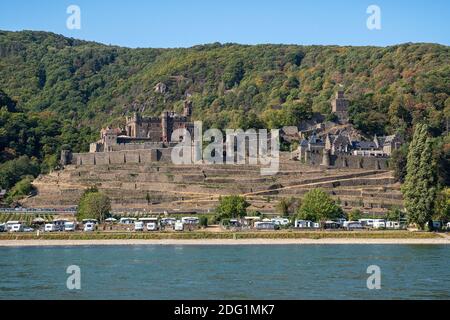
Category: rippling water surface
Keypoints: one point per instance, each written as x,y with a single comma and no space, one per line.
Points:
227,272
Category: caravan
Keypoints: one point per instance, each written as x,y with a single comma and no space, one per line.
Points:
138,226
17,227
379,224
178,226
70,226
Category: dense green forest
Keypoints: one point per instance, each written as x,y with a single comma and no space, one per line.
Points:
57,91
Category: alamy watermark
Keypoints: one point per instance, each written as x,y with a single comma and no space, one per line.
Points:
73,22
74,280
374,20
374,280
239,147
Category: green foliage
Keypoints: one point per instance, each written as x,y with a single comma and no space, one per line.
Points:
395,214
285,206
232,207
21,189
14,170
93,205
57,91
398,163
203,221
317,205
354,215
419,189
442,206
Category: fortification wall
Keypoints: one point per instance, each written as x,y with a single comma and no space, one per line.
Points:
349,161
121,157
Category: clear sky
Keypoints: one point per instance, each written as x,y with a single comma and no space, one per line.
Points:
182,23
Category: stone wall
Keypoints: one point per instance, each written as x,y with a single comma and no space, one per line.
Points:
120,157
349,161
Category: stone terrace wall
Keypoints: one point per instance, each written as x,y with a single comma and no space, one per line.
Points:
121,157
351,162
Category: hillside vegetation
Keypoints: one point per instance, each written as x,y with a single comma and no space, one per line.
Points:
57,91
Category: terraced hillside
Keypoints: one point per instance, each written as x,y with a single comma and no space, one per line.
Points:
175,188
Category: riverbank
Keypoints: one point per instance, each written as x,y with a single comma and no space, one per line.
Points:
222,238
209,242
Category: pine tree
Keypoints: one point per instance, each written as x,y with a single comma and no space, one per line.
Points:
419,189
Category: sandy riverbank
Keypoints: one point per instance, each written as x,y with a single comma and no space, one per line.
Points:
27,243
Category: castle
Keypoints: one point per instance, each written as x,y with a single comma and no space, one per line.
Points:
144,132
327,142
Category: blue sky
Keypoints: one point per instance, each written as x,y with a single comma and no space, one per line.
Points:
182,23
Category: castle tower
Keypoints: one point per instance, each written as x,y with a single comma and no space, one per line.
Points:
187,110
340,106
165,126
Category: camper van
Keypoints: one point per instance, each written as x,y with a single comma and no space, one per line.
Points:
352,225
138,226
10,224
392,225
50,227
303,224
89,226
367,223
190,220
70,226
127,220
18,227
280,221
265,225
167,221
178,226
379,224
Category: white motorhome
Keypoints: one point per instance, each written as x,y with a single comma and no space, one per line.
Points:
366,222
265,225
392,225
151,224
50,227
138,226
10,224
89,226
178,226
280,221
190,220
168,221
303,224
127,220
18,227
70,226
352,225
379,224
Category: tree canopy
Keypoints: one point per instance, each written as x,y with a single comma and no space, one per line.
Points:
317,205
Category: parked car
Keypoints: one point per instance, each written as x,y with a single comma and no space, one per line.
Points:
28,229
2,227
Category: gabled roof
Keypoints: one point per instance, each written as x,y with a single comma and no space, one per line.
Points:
364,145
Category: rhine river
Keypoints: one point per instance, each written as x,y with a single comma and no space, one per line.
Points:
226,272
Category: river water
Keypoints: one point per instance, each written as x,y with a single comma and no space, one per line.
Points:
226,272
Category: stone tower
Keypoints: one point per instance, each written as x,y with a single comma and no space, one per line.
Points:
340,106
187,110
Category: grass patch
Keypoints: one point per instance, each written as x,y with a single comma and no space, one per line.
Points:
220,235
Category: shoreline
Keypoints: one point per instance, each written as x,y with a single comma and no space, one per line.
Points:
212,242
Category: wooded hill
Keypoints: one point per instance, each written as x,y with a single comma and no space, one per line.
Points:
56,90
